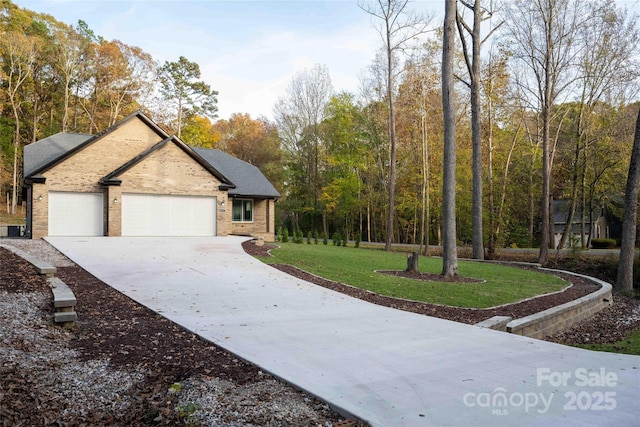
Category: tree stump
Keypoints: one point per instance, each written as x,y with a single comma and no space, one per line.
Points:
412,263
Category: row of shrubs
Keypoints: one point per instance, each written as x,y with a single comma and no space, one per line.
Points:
313,236
603,243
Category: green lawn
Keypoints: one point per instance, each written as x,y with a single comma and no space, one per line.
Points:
357,267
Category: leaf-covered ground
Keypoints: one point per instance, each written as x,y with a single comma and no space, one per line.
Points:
124,365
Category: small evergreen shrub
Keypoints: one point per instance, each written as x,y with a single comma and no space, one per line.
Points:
357,240
324,239
308,237
285,235
315,237
337,239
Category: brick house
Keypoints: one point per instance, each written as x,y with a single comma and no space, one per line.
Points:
134,179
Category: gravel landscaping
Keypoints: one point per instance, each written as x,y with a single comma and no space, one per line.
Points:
126,365
123,364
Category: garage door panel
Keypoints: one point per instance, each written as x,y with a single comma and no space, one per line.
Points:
75,214
168,215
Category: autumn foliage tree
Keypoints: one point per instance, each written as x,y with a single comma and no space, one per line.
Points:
255,141
330,154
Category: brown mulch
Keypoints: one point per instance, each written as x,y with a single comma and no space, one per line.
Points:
609,325
132,336
581,287
134,339
18,275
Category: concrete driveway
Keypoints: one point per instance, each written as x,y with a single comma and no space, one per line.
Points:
388,367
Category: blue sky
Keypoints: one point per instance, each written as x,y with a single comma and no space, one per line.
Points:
247,50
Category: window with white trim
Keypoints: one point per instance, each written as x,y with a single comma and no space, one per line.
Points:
242,210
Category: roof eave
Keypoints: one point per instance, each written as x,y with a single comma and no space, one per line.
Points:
35,179
254,196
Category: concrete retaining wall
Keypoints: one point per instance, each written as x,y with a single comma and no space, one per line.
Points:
64,301
556,319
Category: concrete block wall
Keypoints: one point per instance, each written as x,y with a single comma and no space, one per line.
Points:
556,319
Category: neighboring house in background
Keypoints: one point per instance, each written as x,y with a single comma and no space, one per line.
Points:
603,227
134,179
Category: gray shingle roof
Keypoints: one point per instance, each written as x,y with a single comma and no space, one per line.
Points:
40,153
561,210
248,179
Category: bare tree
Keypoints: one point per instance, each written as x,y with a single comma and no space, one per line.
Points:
624,281
68,48
399,27
543,35
472,61
605,68
449,245
298,116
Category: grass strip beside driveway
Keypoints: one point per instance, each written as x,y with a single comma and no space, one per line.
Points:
357,266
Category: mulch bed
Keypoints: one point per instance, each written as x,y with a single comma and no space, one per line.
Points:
132,336
135,338
581,287
18,275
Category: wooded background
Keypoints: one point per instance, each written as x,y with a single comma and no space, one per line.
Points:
556,84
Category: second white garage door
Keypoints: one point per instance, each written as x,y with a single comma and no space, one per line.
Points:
168,215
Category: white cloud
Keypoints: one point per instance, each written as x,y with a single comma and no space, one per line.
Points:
252,78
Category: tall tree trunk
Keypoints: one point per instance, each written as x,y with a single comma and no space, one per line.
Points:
449,250
65,111
493,227
34,133
580,136
476,137
392,144
583,203
532,208
473,67
624,281
16,149
545,213
424,218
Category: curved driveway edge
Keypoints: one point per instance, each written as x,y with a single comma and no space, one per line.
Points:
387,367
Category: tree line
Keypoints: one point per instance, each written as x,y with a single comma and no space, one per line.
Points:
338,146
543,101
55,77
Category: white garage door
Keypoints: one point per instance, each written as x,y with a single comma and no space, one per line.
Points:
75,214
168,215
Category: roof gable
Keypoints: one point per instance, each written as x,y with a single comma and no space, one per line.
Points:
242,179
248,179
112,178
51,151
